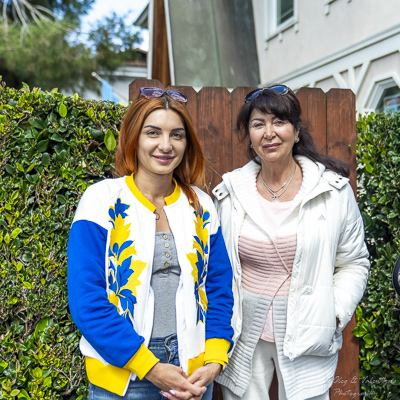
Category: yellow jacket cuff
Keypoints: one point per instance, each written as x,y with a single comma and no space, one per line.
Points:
142,362
217,351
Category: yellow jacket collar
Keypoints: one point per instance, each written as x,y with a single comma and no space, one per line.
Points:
147,203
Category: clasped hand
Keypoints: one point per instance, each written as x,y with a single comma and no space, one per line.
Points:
174,383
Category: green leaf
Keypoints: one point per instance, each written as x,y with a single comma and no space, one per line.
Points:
359,331
37,123
42,146
46,159
368,338
24,395
375,360
28,285
90,113
14,393
15,233
56,137
109,140
37,373
12,300
62,110
60,199
14,196
396,369
20,167
10,169
26,257
53,118
30,167
3,366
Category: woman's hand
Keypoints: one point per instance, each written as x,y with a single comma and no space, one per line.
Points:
170,377
203,376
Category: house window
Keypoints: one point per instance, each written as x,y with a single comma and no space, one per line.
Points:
284,11
280,15
384,94
389,101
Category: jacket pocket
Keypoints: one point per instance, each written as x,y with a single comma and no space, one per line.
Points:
316,327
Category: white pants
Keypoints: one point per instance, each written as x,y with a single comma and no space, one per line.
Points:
265,362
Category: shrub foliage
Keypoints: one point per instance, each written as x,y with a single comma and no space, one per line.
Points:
378,316
51,148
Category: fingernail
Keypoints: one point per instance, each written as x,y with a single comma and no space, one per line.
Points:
172,392
163,394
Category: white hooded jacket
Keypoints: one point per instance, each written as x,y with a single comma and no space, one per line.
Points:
330,268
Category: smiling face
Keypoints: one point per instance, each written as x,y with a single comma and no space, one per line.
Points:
272,138
162,143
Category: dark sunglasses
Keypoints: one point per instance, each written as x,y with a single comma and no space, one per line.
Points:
280,89
153,93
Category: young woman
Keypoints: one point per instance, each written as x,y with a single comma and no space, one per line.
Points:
296,242
149,278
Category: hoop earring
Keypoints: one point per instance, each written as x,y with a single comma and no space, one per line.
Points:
297,140
251,145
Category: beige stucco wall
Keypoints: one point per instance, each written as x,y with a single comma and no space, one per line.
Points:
318,34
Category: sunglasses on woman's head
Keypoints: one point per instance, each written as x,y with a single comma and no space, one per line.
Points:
280,89
153,93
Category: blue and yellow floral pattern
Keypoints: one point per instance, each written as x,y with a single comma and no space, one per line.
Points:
124,272
199,261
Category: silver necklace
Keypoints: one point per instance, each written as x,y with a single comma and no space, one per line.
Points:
275,196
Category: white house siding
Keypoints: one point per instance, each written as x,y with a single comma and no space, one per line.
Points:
333,44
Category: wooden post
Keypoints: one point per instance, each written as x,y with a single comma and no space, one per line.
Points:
160,57
332,122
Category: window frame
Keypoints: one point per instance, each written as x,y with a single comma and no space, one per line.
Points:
271,16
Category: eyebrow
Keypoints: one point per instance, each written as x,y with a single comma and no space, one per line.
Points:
258,119
159,129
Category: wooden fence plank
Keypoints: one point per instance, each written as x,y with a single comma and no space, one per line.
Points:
239,150
214,129
341,128
313,106
341,134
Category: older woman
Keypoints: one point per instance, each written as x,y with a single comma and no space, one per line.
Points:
296,242
146,259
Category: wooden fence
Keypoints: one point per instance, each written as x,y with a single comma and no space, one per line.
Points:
332,121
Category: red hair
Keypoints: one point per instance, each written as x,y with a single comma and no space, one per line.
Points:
190,171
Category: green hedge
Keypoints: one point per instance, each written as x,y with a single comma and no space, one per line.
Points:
378,316
51,148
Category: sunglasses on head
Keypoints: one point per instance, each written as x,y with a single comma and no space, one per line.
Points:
153,93
280,89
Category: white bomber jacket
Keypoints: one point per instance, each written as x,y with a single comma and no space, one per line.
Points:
330,268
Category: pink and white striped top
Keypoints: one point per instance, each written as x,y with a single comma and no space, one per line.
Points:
267,255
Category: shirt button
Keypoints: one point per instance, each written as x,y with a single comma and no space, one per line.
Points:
166,244
167,254
166,265
165,236
164,271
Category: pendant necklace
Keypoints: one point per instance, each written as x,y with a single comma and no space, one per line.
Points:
275,196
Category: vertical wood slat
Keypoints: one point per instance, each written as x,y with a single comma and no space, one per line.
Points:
313,106
340,133
214,115
341,128
331,119
239,150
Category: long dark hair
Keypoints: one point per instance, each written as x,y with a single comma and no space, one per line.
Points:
286,107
